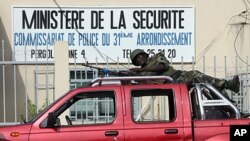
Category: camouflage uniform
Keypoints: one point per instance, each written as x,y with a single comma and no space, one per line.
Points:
188,77
191,77
158,59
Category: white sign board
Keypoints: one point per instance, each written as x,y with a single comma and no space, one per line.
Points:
100,32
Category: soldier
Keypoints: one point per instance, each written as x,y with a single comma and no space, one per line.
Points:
159,65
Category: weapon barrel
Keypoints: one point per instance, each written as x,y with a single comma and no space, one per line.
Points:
112,72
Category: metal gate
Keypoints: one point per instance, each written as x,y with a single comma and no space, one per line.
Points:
28,87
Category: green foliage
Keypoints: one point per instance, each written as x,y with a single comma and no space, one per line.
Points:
32,109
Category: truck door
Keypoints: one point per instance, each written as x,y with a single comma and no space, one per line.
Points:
89,115
153,112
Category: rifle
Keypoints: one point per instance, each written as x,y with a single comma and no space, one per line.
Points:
125,73
106,71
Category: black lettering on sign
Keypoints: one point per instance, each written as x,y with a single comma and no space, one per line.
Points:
83,53
41,53
158,19
121,23
171,53
126,53
53,19
73,53
151,52
96,19
161,51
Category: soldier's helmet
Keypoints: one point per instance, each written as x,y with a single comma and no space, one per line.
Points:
134,54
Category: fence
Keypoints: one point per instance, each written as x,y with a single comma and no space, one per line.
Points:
28,87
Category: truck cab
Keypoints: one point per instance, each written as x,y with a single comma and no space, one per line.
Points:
130,108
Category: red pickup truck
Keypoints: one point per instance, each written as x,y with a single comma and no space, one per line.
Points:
122,108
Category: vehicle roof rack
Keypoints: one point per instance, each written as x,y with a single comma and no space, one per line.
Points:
129,78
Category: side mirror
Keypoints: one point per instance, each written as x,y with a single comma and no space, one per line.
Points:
51,121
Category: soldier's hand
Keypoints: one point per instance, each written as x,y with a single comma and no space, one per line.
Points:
124,73
136,70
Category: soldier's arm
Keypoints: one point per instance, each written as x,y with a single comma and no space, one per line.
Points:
161,65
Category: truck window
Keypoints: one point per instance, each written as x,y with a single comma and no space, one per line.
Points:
89,108
153,105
